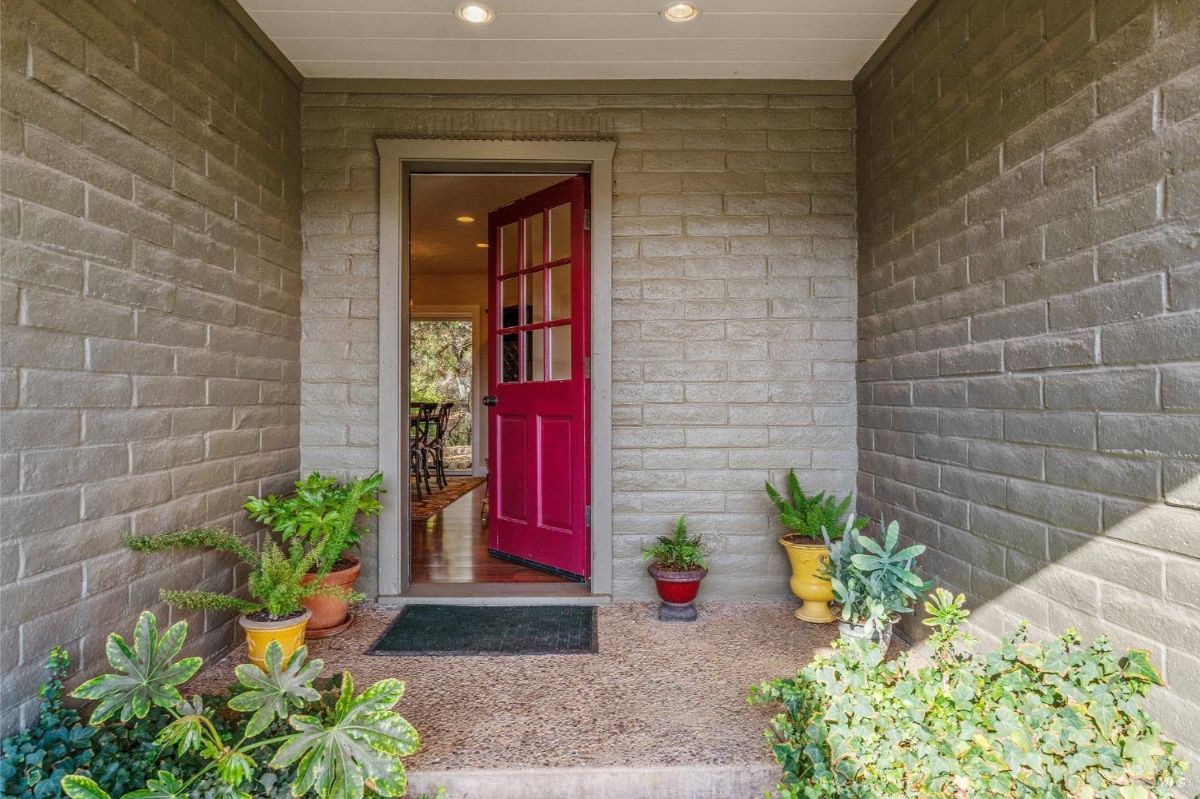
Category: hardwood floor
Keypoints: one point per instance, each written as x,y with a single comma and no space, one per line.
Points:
451,547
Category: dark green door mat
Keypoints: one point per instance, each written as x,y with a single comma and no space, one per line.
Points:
507,630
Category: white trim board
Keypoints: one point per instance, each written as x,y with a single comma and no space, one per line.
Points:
396,157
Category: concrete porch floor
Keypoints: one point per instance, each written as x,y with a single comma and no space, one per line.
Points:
660,711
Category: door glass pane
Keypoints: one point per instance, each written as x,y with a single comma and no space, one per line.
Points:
508,248
533,241
535,360
560,232
509,302
510,360
560,292
560,352
535,305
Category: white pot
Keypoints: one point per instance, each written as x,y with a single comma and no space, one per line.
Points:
859,632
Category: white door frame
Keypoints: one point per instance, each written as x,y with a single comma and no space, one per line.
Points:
396,158
473,314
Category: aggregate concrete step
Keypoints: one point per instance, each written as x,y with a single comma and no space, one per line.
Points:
658,711
747,781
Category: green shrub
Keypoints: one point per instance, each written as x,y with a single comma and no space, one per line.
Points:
334,745
806,516
676,552
120,756
873,581
323,513
276,581
1027,720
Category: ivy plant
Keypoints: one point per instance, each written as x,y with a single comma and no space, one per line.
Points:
354,748
1027,720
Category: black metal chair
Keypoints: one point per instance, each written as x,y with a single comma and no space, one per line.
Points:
437,446
420,425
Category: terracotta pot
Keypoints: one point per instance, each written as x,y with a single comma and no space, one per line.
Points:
331,614
259,634
813,590
677,590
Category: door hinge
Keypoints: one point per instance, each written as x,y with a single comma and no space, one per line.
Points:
587,219
587,515
587,367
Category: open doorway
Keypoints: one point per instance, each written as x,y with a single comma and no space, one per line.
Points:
464,269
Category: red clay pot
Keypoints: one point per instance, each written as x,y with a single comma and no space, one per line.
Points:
678,591
331,614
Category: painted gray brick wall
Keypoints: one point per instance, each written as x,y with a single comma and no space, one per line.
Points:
1029,331
734,300
150,310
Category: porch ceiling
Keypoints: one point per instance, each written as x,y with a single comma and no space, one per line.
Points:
578,40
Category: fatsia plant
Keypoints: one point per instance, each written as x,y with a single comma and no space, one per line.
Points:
145,674
361,744
806,516
341,754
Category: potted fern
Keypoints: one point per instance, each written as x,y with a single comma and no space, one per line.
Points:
323,514
805,517
677,566
873,581
276,584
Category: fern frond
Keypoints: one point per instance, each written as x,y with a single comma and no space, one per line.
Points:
207,600
198,538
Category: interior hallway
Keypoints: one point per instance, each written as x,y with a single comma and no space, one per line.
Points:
451,547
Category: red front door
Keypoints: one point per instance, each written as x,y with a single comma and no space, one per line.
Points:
537,379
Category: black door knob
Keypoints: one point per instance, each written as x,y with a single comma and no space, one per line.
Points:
489,400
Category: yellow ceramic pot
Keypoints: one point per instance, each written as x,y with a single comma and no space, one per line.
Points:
288,632
807,584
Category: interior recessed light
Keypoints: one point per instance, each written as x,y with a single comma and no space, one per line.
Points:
680,12
481,245
465,218
475,13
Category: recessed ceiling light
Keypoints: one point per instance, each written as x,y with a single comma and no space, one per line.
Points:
680,12
464,218
475,13
482,245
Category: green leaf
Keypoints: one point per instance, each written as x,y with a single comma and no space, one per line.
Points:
76,786
186,733
149,676
167,786
1141,753
1136,665
273,691
235,768
359,746
1104,714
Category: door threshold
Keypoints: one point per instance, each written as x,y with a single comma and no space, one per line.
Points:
497,594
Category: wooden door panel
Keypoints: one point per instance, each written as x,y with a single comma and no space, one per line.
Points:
510,459
556,499
538,329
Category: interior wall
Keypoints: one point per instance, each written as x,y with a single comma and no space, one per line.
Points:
150,308
733,284
1029,331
